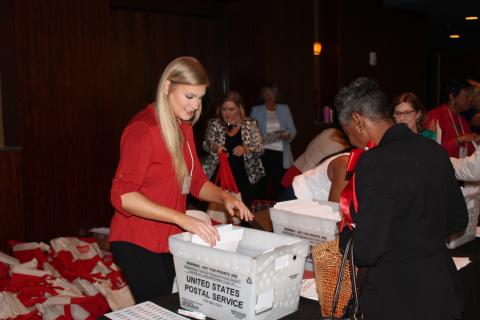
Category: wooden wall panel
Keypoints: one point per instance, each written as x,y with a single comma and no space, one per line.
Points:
65,102
148,41
451,65
271,41
11,198
402,56
130,60
10,112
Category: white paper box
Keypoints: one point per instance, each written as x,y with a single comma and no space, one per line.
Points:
260,280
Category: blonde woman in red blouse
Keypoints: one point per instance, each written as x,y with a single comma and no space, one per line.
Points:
158,167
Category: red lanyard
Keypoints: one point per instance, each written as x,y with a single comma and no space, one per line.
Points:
348,194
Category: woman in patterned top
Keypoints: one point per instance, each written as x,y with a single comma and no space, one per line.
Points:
240,137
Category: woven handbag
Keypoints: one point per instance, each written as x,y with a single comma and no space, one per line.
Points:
327,261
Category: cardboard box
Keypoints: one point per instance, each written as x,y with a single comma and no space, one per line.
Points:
259,276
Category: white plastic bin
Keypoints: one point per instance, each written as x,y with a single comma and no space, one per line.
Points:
261,279
315,221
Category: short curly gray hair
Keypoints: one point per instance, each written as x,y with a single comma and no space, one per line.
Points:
363,95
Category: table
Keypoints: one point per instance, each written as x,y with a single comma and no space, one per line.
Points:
469,278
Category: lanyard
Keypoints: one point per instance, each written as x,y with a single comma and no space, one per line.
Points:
189,150
191,156
453,123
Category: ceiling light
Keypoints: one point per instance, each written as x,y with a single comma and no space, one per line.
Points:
471,18
454,36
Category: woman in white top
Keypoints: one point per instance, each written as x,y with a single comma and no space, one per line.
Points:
278,130
324,182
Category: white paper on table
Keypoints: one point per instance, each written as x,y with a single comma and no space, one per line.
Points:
144,310
229,238
102,230
461,262
309,289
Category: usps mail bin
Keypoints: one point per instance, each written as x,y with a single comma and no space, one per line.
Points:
258,277
315,221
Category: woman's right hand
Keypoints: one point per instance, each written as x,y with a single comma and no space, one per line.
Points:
208,233
219,149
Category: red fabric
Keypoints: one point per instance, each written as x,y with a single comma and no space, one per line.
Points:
71,269
95,305
291,173
4,276
449,135
348,194
145,166
34,315
29,251
31,289
225,178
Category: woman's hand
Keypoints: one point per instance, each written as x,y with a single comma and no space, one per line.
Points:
219,149
468,137
236,207
239,150
285,136
208,233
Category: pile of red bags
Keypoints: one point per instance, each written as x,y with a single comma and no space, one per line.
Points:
69,279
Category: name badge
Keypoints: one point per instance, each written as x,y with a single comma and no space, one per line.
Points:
187,180
462,152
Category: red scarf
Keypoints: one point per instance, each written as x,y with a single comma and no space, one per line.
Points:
348,194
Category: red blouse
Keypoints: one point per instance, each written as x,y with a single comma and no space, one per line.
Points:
447,121
145,166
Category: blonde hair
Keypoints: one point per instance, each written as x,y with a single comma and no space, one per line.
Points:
181,71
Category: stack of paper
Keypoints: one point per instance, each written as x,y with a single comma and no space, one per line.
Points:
145,310
229,238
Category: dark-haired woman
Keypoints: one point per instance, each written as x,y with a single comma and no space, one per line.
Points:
457,136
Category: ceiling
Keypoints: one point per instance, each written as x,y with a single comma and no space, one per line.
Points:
444,17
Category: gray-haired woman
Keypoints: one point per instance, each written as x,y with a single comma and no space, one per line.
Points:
408,203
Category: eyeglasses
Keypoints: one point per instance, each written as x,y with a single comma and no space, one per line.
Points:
408,113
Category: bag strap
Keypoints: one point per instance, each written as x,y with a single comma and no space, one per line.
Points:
353,279
347,254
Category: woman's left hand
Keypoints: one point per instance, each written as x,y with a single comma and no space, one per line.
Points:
236,207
